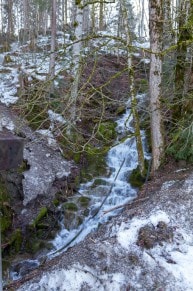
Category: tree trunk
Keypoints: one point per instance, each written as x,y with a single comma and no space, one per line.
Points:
141,160
10,28
76,72
181,68
156,33
101,15
93,20
53,46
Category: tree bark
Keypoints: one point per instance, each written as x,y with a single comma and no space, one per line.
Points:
76,71
156,33
181,68
53,46
139,145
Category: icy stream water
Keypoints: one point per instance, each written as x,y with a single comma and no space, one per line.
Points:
112,191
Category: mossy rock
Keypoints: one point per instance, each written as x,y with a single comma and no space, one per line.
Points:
72,220
99,182
84,201
70,206
120,110
136,179
7,59
95,163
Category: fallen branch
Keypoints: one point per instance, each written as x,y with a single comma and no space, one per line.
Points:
125,204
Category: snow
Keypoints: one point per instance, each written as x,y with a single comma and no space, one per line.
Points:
7,123
176,259
145,61
50,137
180,253
128,236
77,277
56,117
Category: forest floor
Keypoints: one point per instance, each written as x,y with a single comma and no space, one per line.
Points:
147,246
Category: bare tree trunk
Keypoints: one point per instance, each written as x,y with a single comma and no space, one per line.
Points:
53,46
10,27
156,32
141,160
76,72
2,28
101,15
25,36
93,20
66,12
182,69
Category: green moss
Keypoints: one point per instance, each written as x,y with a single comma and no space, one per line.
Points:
136,179
120,110
56,202
16,240
23,167
37,116
6,218
96,163
42,213
34,104
181,147
77,157
107,131
84,201
98,182
7,59
70,206
5,208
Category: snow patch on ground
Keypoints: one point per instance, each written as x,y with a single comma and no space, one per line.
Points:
6,122
127,234
76,278
175,258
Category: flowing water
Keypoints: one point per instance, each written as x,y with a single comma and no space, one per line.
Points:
107,192
103,193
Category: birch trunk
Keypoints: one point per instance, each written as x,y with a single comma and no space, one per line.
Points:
76,72
156,32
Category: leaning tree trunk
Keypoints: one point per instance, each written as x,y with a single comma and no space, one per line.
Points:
156,33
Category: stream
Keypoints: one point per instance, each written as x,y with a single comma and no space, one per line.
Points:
103,193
